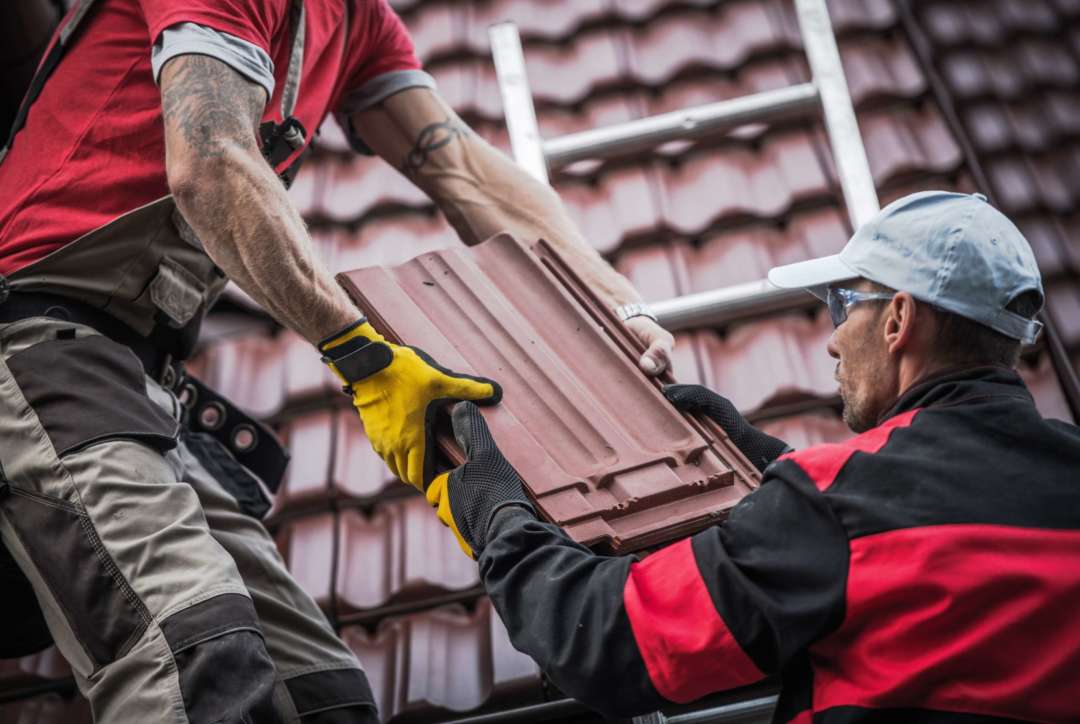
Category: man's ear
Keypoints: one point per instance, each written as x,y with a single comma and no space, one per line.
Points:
901,318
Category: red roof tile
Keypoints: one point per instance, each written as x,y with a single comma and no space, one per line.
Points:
1063,303
770,361
47,709
1045,387
658,271
809,429
732,182
359,184
307,544
523,327
747,253
624,204
337,460
718,40
1011,71
30,670
401,553
393,239
248,371
444,660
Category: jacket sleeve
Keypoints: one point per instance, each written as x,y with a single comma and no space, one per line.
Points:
720,610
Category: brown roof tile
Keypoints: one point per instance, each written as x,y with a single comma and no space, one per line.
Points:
426,665
47,709
771,361
307,544
808,429
523,327
401,553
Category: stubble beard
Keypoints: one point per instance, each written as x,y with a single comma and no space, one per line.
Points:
858,412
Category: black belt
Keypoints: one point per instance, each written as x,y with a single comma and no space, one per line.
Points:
157,363
251,442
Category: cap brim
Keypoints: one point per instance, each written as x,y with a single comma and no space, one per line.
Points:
814,275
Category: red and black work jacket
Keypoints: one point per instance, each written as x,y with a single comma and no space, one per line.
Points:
927,570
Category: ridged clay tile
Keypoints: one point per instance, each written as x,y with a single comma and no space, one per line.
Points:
732,182
1043,383
746,253
771,361
809,429
658,271
401,553
1010,72
424,666
624,203
357,185
47,709
307,544
248,371
36,669
601,450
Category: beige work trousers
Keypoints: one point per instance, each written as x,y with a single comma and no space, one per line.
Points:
170,604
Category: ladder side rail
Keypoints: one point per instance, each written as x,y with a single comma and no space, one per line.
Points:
517,99
852,166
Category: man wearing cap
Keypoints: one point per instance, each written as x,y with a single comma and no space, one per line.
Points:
926,570
148,166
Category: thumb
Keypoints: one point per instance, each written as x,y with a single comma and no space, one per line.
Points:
476,389
470,430
655,359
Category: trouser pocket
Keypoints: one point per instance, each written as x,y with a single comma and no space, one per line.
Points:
65,550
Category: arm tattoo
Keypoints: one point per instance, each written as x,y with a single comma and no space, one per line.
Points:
209,104
431,138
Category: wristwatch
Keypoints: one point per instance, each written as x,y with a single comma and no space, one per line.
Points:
635,309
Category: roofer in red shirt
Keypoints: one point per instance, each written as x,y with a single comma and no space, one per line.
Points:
145,168
926,570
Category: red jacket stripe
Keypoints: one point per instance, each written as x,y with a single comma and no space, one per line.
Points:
823,462
687,648
968,618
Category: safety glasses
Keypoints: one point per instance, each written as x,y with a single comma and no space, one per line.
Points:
839,300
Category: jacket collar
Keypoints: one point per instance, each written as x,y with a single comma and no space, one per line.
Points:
960,384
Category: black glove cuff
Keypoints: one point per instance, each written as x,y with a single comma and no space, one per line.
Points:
759,447
340,333
360,358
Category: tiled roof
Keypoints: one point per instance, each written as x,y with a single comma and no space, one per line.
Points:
682,218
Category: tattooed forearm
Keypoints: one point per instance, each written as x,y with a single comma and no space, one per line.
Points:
233,200
209,105
430,139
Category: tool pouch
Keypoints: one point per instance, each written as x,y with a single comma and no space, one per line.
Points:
245,455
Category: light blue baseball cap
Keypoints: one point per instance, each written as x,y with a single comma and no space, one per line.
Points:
952,250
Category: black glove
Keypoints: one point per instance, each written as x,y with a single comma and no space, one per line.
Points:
758,447
466,498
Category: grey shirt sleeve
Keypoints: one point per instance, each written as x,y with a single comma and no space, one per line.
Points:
372,93
247,59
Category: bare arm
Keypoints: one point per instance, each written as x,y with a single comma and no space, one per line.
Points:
481,191
235,203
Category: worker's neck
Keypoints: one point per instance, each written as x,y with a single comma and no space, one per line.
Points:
914,369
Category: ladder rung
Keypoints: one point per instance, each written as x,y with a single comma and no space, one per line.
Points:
720,306
688,123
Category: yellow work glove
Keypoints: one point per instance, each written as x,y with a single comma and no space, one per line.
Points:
467,498
397,390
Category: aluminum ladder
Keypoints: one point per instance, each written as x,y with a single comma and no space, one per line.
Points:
827,93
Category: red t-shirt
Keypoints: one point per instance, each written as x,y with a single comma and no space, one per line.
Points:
93,146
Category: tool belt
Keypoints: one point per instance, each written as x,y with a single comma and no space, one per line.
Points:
251,443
